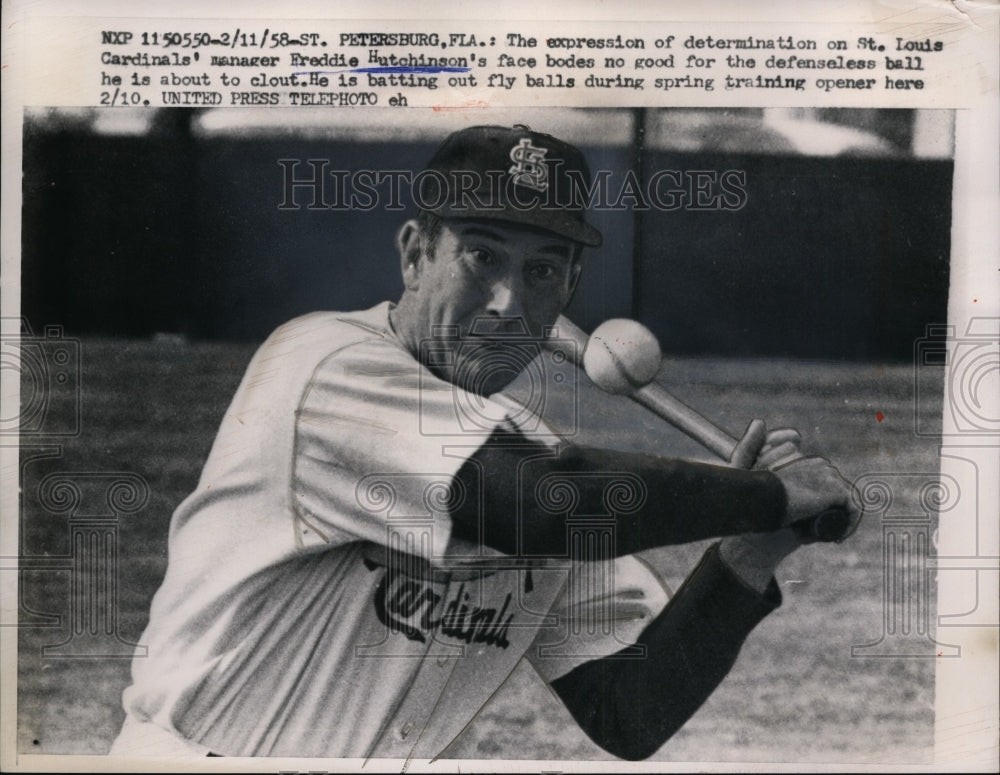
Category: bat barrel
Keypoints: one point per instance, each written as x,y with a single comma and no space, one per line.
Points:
655,398
566,330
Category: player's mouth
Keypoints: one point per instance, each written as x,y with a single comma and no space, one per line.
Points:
493,328
490,342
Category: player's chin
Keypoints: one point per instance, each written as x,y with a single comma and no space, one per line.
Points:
485,368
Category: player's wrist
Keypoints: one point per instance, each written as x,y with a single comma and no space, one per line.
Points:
753,558
725,601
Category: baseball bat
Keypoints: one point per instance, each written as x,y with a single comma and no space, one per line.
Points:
657,400
827,526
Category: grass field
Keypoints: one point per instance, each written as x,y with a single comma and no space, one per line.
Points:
796,694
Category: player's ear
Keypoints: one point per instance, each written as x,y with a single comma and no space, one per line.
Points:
574,278
408,243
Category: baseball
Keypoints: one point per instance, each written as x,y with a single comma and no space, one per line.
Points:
621,356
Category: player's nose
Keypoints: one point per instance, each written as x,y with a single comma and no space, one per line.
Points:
506,299
503,313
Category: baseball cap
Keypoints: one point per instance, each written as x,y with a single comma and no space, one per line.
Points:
510,174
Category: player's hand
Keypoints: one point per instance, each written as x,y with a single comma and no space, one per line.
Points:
781,446
749,446
820,503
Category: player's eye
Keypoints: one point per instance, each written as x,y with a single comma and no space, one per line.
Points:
482,258
543,272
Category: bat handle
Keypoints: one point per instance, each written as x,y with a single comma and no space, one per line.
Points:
686,419
829,525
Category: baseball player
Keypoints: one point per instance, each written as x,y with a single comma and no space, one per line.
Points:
379,536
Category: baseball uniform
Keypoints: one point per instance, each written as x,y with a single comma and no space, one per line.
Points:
371,549
316,602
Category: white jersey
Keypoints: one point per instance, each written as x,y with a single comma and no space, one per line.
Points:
315,603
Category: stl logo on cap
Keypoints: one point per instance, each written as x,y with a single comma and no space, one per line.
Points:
529,167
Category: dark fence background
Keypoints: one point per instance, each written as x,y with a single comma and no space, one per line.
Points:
840,257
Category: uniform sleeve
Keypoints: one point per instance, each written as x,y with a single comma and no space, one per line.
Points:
602,610
378,440
632,706
529,496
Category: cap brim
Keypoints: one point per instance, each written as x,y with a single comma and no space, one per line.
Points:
558,222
